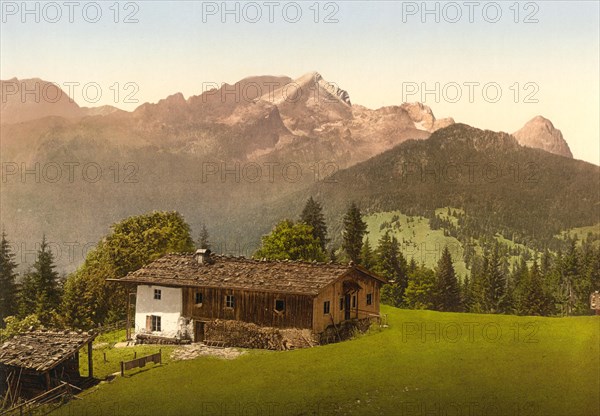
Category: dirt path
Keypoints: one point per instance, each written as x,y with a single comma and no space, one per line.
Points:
189,352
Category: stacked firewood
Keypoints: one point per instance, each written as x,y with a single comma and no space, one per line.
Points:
245,335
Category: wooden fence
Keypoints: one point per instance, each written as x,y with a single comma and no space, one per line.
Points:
52,398
141,362
111,327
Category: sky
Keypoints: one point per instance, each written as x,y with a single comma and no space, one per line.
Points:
493,65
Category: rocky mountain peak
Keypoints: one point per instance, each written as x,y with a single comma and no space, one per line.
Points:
539,132
423,117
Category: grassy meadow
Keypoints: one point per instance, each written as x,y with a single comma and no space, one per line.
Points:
424,363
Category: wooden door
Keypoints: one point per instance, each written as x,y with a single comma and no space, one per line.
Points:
199,332
347,306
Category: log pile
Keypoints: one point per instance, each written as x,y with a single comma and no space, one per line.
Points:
248,335
154,339
244,335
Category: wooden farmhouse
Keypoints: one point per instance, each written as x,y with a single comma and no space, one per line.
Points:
35,362
178,295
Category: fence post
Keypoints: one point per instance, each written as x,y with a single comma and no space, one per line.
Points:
122,369
160,355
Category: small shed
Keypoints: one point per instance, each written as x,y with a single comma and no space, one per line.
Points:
37,361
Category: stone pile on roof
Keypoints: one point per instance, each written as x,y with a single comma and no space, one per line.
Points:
182,269
42,350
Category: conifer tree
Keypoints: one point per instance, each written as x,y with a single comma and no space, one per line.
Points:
312,215
366,255
353,233
534,300
495,299
8,289
203,238
447,289
40,293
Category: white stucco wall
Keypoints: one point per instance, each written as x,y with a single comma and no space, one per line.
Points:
169,308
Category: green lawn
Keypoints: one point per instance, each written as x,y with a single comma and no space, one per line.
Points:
425,363
107,359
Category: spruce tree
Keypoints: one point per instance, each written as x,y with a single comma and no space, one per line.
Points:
203,241
367,256
391,264
496,301
570,270
312,215
8,289
354,231
534,300
447,289
40,293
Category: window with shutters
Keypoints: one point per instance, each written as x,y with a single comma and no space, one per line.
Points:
326,307
153,323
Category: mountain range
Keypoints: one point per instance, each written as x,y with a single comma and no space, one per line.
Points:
238,157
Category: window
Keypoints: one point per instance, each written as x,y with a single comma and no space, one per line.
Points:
157,294
229,301
156,324
341,304
354,301
326,307
198,298
369,298
279,305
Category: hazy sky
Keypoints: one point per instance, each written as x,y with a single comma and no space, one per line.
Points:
541,57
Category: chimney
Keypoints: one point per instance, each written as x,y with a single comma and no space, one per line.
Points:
202,256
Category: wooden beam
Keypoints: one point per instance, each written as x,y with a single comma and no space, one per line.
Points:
90,361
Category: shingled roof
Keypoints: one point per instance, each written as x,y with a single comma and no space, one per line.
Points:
182,270
42,350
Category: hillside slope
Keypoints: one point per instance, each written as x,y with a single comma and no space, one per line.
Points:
527,195
502,365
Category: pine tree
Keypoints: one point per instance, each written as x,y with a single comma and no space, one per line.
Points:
203,238
516,283
367,256
447,289
40,294
354,231
312,215
8,289
476,289
391,264
534,300
412,265
495,299
570,269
